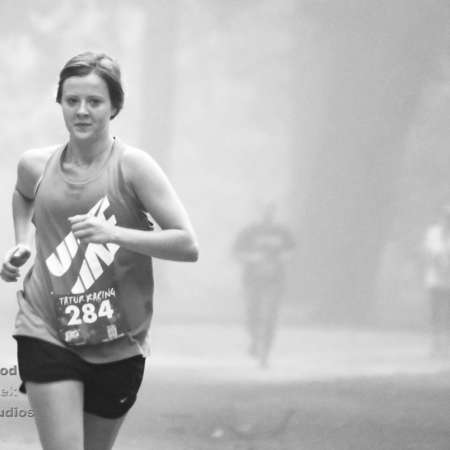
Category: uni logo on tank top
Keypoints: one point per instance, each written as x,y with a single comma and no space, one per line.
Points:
59,262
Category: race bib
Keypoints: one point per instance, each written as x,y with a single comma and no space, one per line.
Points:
89,318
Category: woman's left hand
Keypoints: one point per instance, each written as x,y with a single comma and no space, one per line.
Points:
91,229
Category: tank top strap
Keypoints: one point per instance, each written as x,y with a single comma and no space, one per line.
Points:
54,156
116,165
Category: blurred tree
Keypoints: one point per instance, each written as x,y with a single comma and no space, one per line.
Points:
158,78
380,56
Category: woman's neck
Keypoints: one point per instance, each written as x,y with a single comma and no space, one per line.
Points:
86,152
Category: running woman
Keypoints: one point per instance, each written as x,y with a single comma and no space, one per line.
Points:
86,304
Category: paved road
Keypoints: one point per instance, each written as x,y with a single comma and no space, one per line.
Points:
324,389
309,353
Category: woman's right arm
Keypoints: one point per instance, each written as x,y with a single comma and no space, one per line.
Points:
29,170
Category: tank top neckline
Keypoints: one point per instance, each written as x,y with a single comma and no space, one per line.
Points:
93,176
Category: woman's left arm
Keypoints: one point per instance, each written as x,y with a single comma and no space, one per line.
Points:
175,241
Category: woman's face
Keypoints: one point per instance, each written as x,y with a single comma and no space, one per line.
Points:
86,107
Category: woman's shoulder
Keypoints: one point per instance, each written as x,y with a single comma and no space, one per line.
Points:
36,158
133,155
31,166
136,161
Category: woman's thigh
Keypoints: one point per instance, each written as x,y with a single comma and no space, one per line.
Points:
58,412
100,432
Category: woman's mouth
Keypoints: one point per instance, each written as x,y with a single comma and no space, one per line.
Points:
82,125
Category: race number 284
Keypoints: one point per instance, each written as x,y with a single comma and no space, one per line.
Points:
88,312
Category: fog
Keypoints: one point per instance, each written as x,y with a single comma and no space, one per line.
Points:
332,113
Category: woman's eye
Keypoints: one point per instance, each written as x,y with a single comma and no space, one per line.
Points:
71,101
94,102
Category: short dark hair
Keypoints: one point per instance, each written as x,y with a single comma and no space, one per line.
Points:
102,65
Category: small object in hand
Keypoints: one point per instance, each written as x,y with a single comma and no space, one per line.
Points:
20,256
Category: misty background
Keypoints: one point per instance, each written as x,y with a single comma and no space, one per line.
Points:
337,111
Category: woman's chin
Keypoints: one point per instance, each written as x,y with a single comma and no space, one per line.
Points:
82,135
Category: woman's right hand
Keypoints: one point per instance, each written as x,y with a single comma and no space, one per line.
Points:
14,259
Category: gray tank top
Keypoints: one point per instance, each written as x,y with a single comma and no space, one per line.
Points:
66,274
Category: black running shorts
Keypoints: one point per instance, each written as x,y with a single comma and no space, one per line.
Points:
109,389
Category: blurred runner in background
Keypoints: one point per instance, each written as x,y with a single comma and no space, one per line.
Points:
262,248
437,281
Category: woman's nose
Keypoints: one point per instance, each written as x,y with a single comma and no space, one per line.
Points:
82,110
